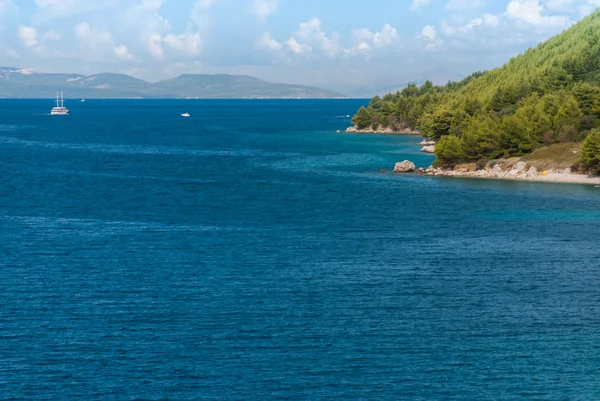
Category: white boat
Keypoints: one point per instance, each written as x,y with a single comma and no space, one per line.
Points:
82,100
185,115
60,109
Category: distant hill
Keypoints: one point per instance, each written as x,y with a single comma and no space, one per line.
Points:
392,84
548,95
18,83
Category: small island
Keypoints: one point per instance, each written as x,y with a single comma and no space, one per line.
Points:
541,105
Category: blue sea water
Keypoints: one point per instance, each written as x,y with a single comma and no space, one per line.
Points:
251,252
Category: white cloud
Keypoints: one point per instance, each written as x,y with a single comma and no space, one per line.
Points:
429,32
145,19
153,44
361,48
434,45
267,42
265,8
447,29
157,36
50,9
297,47
122,52
491,20
187,44
366,40
453,5
97,44
386,36
416,4
53,35
530,12
28,35
310,37
485,21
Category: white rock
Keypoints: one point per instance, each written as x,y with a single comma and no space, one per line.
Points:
520,167
404,167
428,149
427,143
532,172
496,171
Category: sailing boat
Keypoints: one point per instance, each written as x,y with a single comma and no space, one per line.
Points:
60,109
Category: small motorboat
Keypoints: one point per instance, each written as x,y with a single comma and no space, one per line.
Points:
185,115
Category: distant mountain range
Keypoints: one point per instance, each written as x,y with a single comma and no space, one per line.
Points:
18,83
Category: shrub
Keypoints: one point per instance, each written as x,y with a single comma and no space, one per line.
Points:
568,133
482,164
588,122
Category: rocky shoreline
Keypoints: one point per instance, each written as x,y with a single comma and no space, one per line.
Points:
520,171
428,146
500,169
381,130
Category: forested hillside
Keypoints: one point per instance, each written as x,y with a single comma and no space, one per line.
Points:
547,95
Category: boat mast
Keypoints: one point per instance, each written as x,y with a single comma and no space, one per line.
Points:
62,100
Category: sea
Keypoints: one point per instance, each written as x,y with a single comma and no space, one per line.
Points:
252,252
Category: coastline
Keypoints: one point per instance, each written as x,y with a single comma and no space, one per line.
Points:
506,169
521,171
382,130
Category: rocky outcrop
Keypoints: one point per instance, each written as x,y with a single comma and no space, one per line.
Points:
428,149
532,172
511,171
381,130
404,167
427,143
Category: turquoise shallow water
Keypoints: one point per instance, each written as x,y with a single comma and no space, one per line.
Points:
250,252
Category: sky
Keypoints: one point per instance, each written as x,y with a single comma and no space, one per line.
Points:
340,44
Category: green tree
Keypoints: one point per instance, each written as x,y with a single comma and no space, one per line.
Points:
441,124
363,118
514,138
586,95
535,122
481,138
449,151
376,103
590,151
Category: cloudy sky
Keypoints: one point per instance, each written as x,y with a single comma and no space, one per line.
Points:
332,43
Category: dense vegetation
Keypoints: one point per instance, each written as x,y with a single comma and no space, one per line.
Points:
548,95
